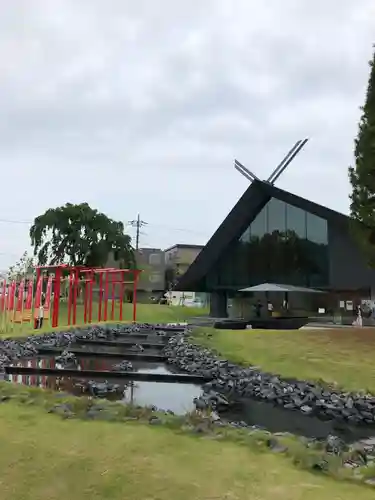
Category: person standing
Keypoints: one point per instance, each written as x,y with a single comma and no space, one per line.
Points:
359,316
269,307
40,316
258,308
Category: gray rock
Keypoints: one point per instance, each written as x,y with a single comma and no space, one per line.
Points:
321,465
306,409
350,465
292,394
153,420
370,442
124,366
64,410
334,445
275,446
214,416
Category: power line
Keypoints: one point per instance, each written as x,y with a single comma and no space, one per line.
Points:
138,223
7,221
132,223
171,228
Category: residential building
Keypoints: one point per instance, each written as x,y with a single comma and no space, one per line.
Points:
179,257
151,284
273,236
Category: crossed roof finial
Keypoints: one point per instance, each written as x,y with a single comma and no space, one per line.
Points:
278,170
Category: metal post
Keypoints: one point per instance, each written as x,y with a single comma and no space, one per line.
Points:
135,282
245,171
113,299
288,161
121,298
85,297
106,295
92,276
100,297
75,292
56,297
70,296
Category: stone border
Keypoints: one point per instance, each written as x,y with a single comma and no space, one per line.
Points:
251,382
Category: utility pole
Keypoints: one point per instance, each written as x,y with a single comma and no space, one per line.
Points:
138,223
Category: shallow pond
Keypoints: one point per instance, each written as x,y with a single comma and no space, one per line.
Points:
179,399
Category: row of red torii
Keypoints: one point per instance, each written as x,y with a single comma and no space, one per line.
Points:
109,284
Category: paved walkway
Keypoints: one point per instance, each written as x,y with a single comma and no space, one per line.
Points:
318,325
329,326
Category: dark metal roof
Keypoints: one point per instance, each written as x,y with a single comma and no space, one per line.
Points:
240,217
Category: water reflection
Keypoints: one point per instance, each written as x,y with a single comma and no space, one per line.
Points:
175,397
121,350
94,363
169,396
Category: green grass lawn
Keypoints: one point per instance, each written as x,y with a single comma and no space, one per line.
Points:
146,313
342,356
46,458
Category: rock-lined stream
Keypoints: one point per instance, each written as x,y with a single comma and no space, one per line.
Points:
251,397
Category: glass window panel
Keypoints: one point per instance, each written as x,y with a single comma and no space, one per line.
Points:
296,220
317,230
276,217
317,250
259,224
246,236
283,244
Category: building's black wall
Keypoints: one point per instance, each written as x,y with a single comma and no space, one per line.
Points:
218,305
348,269
333,259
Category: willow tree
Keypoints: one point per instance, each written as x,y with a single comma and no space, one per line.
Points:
80,235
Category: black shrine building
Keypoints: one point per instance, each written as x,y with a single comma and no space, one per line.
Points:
273,236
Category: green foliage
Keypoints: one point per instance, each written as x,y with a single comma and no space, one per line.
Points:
79,235
362,175
23,268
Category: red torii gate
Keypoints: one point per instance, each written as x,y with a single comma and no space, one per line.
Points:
73,274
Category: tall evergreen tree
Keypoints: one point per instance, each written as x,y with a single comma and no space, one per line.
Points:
362,175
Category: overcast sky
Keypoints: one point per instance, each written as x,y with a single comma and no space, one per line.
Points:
142,106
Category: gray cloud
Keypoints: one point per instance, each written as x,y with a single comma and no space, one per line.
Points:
142,106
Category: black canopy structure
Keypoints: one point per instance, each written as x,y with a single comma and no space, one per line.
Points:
275,287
